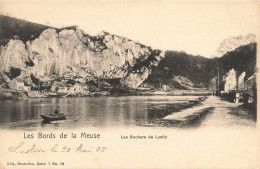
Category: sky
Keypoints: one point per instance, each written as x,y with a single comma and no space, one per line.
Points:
196,27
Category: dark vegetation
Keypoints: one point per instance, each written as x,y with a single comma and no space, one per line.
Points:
242,59
147,62
249,108
13,28
21,29
13,73
29,63
35,80
200,70
74,27
71,82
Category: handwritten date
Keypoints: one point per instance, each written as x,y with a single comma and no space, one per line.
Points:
22,148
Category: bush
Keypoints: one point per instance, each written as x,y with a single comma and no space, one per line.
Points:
13,73
29,63
34,79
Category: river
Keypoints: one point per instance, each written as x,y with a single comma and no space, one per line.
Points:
100,112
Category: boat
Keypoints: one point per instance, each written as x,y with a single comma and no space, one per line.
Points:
53,117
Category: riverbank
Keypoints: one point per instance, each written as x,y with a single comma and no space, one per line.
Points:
15,94
12,94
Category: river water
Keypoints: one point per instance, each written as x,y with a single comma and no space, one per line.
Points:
100,112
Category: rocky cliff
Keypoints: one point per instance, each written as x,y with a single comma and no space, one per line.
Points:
71,54
49,53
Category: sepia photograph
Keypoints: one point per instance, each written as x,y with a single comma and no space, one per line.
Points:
175,81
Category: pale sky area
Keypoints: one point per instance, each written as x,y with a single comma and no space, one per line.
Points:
194,27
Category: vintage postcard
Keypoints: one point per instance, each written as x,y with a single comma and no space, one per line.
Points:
129,84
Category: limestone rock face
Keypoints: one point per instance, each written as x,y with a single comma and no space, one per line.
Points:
13,55
72,54
135,79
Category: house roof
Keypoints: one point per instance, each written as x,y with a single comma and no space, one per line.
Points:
82,84
19,79
251,77
27,86
46,84
60,84
70,85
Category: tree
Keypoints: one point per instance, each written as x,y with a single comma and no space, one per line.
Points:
14,72
34,79
29,63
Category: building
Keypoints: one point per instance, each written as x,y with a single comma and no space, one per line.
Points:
241,81
63,88
230,82
17,84
78,88
213,84
59,87
165,87
45,86
46,83
26,88
81,88
143,86
250,85
71,89
27,81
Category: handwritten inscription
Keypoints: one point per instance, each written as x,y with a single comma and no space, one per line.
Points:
20,149
25,149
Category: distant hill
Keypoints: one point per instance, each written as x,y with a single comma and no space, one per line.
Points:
177,67
11,28
199,70
242,59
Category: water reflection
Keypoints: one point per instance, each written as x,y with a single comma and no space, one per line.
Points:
90,111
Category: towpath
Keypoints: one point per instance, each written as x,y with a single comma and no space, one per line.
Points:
227,114
214,112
